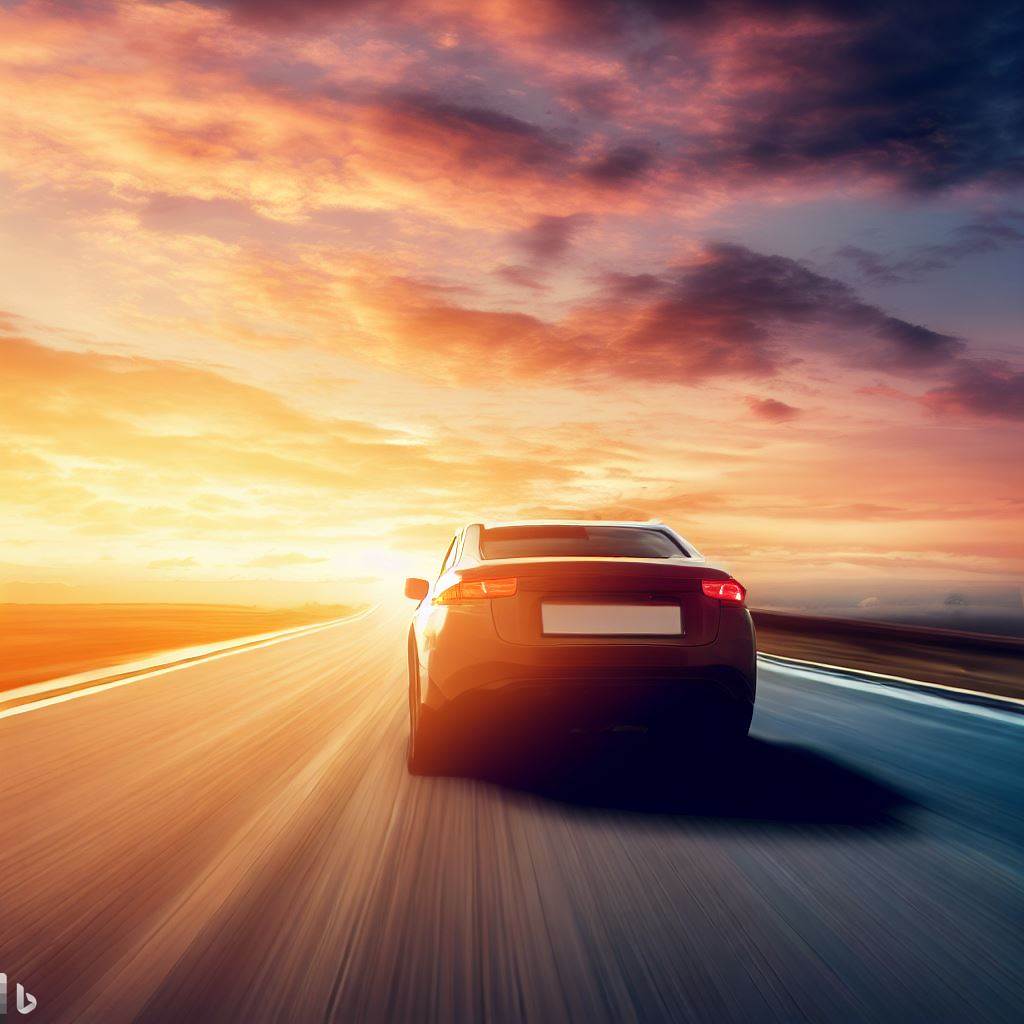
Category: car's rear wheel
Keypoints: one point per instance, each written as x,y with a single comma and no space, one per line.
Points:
424,754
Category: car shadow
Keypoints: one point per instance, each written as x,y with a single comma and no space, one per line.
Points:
763,781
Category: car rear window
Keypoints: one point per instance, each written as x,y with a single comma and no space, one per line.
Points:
578,542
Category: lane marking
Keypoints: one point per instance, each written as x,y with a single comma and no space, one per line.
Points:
172,656
132,674
847,680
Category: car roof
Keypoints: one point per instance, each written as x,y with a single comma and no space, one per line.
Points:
571,522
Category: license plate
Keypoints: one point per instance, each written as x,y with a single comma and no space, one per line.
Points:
611,620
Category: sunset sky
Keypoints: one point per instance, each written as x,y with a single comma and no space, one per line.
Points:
290,291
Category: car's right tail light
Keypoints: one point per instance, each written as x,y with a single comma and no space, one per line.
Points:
728,591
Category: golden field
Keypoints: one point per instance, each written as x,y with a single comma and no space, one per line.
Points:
44,641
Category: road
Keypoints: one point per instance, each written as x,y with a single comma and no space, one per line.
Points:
238,840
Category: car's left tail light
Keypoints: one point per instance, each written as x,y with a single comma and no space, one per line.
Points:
478,590
727,591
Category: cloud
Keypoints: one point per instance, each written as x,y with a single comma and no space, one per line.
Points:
521,277
924,96
772,409
624,285
298,14
550,237
114,448
725,311
989,234
285,118
477,136
226,219
729,307
872,266
349,132
980,388
621,165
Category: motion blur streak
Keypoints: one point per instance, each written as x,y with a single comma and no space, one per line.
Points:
57,691
242,843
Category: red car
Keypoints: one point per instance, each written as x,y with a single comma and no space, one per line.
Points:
559,627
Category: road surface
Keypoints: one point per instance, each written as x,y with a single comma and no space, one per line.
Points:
238,840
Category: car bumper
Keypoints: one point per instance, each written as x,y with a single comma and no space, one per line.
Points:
707,698
555,698
473,678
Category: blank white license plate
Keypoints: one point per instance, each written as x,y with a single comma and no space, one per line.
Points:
611,620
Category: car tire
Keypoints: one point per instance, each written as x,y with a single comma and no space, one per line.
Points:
424,754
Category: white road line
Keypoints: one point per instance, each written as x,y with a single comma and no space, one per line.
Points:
849,681
183,658
846,670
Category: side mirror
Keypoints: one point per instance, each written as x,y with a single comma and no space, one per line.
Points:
416,589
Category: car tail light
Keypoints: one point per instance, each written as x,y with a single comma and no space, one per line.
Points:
724,590
472,589
477,590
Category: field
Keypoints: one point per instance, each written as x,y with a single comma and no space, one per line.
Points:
40,641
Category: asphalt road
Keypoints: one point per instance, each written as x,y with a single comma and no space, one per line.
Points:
239,841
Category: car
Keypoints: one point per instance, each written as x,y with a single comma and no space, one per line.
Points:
549,628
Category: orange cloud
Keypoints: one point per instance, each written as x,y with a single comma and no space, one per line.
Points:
772,409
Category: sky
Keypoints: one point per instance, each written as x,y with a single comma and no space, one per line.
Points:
289,292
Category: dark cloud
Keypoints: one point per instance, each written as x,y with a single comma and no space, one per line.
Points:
729,311
298,13
914,345
980,236
597,97
870,265
746,297
621,165
928,95
463,118
772,409
480,135
978,388
621,285
550,238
